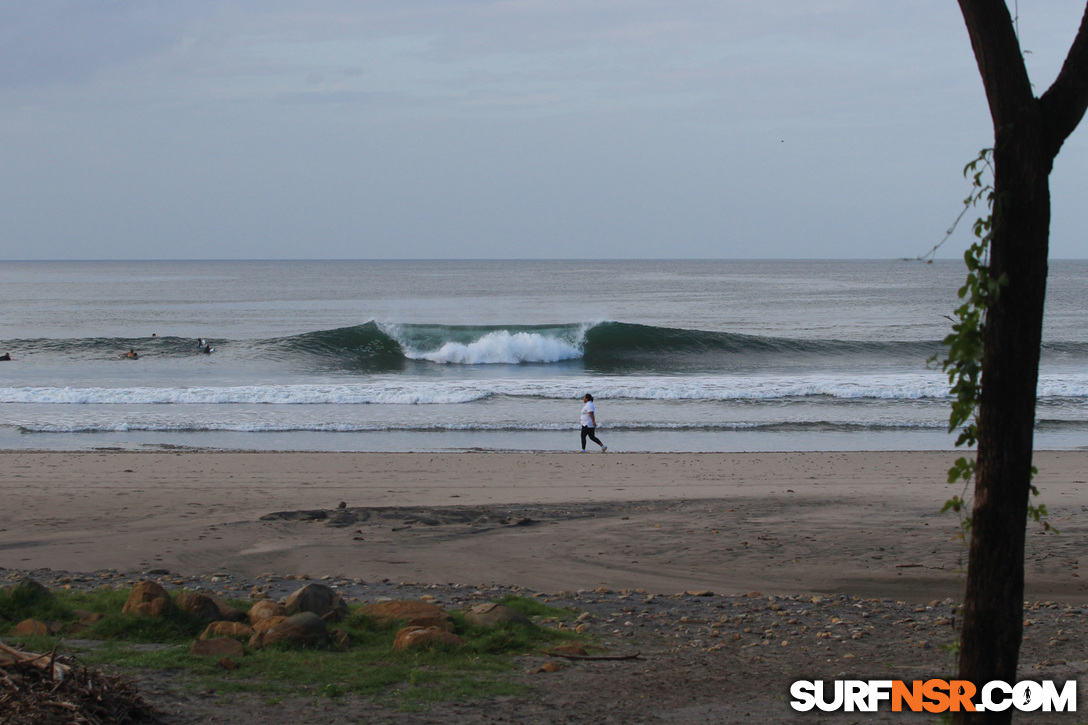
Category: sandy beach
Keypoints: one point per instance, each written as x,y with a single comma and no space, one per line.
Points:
724,576
864,524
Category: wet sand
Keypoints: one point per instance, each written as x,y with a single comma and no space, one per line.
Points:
866,524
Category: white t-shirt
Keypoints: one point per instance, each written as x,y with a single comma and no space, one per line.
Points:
587,409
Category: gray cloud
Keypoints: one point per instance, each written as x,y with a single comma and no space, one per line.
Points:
510,128
50,42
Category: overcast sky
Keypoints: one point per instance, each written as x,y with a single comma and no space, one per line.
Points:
243,129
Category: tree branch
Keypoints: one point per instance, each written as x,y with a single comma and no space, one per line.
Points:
1000,60
1066,101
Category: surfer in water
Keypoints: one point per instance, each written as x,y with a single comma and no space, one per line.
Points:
589,423
131,355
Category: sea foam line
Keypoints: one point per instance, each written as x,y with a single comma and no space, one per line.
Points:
128,426
396,392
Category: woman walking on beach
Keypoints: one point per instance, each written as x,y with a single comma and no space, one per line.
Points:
589,423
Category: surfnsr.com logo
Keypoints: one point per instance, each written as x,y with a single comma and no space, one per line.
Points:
933,696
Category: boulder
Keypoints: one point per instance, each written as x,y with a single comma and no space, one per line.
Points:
424,638
411,613
304,629
27,588
219,648
86,621
148,599
227,613
199,605
341,639
264,609
263,625
30,628
319,599
491,614
234,630
86,617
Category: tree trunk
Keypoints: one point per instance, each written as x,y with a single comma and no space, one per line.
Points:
993,605
1028,134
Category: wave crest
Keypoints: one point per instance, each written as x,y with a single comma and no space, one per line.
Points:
501,346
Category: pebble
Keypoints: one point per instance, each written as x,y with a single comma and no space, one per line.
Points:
751,620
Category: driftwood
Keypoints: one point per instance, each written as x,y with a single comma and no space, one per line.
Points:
635,656
47,663
44,689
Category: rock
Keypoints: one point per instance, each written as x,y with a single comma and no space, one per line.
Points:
304,629
222,647
30,628
199,605
550,667
570,648
411,613
86,620
148,599
425,637
296,516
86,617
264,609
263,625
491,614
341,519
341,639
234,630
228,664
319,599
29,589
227,613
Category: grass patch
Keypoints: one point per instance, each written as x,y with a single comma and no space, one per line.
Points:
24,601
367,667
535,608
175,627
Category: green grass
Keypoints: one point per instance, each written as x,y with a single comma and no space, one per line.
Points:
368,667
535,608
23,602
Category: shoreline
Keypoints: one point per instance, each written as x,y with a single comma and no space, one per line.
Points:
852,523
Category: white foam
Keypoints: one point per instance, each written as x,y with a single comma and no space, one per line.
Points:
502,347
888,387
243,426
381,394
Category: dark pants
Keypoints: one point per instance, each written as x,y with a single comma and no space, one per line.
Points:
587,432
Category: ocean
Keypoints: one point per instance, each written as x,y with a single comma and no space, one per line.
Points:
496,355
